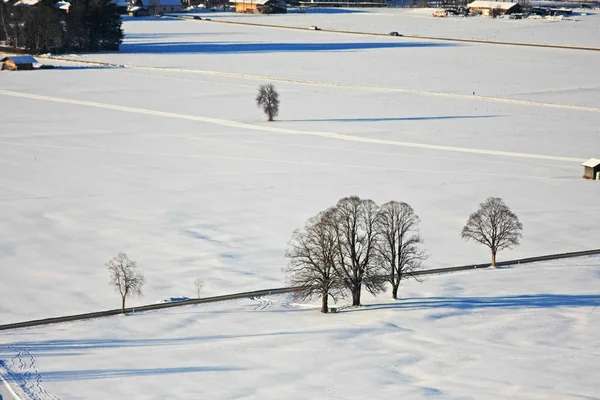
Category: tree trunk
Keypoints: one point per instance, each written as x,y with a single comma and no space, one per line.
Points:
270,115
123,304
395,291
356,295
493,259
324,306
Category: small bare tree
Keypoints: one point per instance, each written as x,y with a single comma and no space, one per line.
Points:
398,244
125,277
199,284
313,254
268,100
495,226
356,239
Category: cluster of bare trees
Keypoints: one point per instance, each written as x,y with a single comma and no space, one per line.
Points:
357,244
352,245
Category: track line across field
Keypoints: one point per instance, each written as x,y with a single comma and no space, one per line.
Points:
275,129
339,85
277,291
372,88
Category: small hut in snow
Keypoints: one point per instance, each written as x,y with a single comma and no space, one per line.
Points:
592,169
18,63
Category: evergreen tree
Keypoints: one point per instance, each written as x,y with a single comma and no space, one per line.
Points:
43,28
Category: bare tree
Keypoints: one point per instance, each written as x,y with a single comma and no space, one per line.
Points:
312,253
125,277
268,100
398,244
199,284
355,221
495,226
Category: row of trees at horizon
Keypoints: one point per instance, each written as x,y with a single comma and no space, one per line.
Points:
89,26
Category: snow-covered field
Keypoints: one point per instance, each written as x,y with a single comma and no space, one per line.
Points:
170,161
529,332
580,29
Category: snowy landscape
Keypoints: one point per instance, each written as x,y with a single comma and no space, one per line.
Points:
163,155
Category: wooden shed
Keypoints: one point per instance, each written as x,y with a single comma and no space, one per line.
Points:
260,6
493,7
18,63
592,169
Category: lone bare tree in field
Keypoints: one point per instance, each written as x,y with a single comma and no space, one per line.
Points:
356,237
198,284
313,255
398,244
125,277
495,226
268,100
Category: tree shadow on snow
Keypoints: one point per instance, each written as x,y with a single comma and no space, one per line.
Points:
81,375
52,347
474,303
390,119
233,48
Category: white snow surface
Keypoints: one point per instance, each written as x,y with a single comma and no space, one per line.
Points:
580,29
528,332
170,161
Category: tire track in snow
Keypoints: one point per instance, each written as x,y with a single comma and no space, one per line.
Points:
273,129
22,371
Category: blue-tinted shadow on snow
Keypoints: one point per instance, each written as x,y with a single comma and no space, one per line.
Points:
235,48
82,345
474,303
391,118
89,374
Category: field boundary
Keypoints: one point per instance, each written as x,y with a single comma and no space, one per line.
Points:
275,291
408,36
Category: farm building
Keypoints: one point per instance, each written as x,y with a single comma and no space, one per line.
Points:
18,63
260,6
343,3
493,7
156,7
592,169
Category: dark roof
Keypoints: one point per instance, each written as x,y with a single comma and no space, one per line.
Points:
20,59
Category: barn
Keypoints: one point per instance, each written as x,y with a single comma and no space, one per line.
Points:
493,7
260,6
18,63
592,169
155,7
